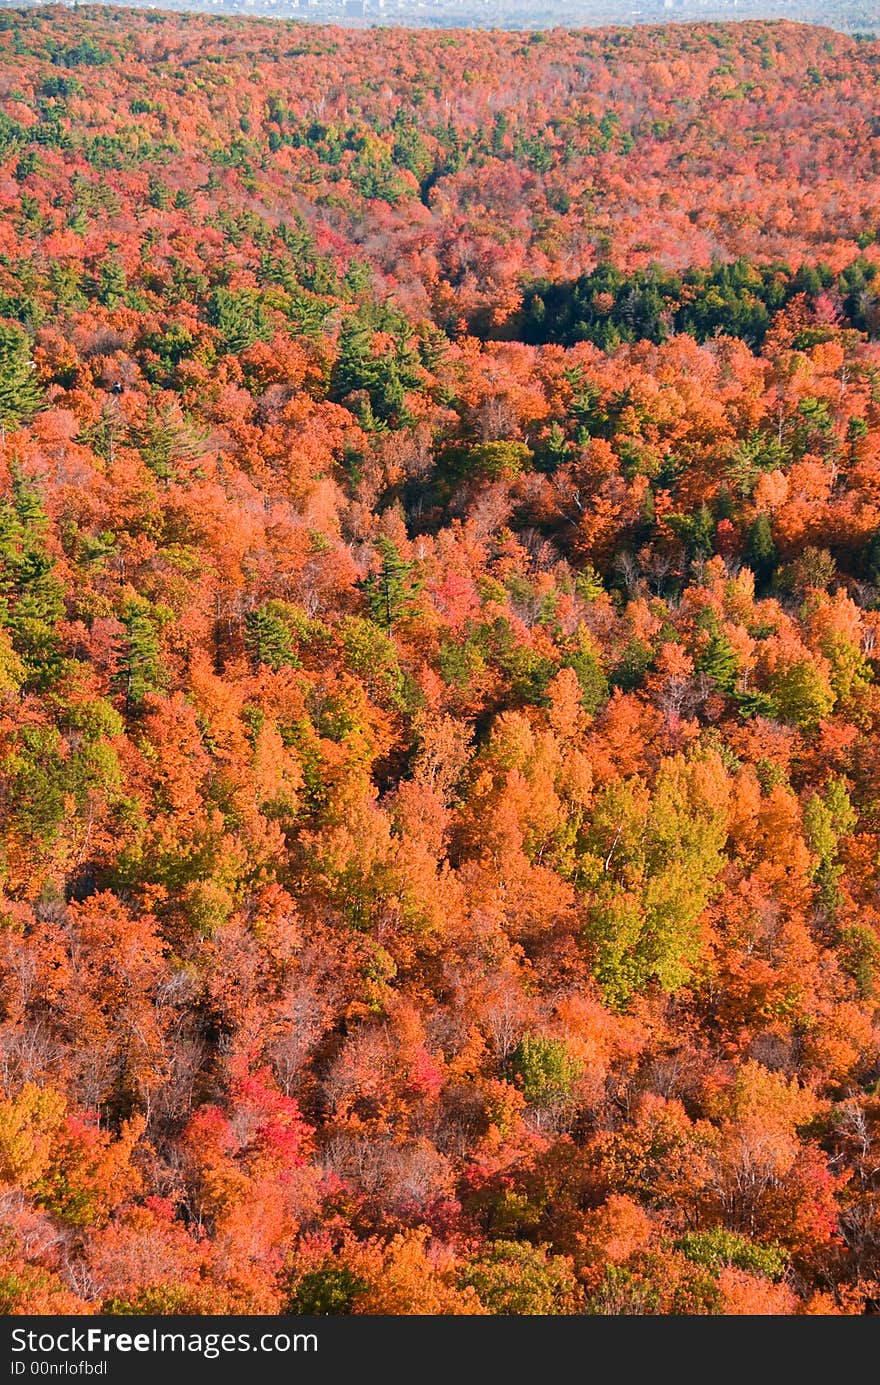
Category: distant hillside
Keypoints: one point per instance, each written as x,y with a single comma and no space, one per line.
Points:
847,16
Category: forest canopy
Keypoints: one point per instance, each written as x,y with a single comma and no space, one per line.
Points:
439,703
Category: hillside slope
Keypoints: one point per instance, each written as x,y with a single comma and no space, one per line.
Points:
439,771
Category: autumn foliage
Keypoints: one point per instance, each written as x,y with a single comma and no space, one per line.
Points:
439,701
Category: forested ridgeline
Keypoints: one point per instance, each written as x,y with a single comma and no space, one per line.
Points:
439,613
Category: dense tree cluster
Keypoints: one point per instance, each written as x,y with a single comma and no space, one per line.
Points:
439,699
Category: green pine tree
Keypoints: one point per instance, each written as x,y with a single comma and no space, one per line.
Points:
718,660
112,283
138,668
392,591
20,393
760,552
267,637
557,449
165,439
31,597
240,318
384,377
